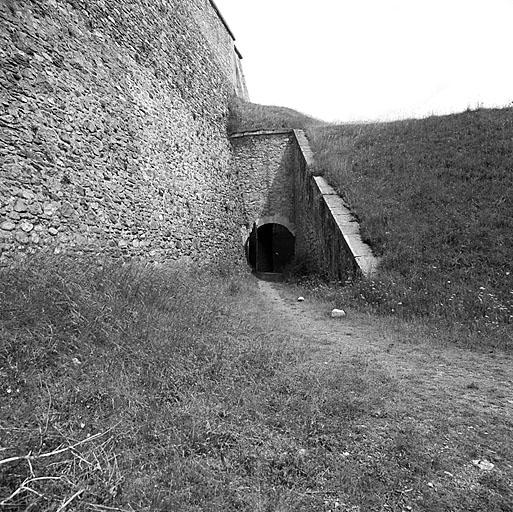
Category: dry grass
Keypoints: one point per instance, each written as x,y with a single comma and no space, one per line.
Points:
139,388
116,382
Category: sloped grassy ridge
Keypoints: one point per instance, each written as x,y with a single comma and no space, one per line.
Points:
435,200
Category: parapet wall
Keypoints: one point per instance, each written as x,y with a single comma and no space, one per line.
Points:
328,236
220,37
112,129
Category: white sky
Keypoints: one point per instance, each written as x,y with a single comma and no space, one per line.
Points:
348,60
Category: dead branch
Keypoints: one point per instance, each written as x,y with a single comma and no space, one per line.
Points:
68,501
104,507
24,487
29,457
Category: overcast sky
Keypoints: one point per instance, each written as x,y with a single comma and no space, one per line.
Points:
347,60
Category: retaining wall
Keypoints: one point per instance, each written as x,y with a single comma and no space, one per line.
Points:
112,129
264,164
275,174
328,236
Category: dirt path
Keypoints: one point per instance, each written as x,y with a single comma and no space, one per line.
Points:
490,376
471,391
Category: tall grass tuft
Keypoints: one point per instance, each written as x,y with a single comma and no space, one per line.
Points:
115,377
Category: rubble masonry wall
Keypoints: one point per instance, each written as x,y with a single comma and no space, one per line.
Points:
112,130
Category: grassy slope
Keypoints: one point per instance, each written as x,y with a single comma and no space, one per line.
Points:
435,199
137,388
245,116
160,363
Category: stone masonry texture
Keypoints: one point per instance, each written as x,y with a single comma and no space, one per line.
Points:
263,162
328,236
112,129
221,38
274,171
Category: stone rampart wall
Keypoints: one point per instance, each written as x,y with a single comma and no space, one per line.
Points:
112,131
328,236
275,174
220,37
263,163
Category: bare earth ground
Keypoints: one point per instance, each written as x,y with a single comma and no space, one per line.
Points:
446,407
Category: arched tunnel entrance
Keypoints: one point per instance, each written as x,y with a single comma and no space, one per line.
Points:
270,248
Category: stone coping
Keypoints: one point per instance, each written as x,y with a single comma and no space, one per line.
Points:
305,148
342,216
256,133
223,21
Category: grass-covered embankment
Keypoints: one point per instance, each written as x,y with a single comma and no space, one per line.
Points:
435,200
136,388
246,116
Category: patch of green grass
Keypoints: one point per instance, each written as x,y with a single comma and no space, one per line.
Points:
434,198
246,116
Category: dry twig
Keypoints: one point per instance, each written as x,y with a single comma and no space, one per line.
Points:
68,501
55,452
24,487
94,506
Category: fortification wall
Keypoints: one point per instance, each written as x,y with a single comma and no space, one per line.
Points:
112,130
263,162
220,37
275,173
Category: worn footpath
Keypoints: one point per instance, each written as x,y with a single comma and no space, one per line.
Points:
460,401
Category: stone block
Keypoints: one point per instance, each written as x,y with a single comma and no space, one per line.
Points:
324,187
368,265
26,226
7,225
357,247
20,206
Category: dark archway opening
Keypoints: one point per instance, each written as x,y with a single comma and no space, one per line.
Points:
270,248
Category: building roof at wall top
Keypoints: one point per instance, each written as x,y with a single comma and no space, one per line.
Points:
213,4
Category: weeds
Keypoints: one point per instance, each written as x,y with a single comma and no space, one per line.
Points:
87,346
142,388
139,388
